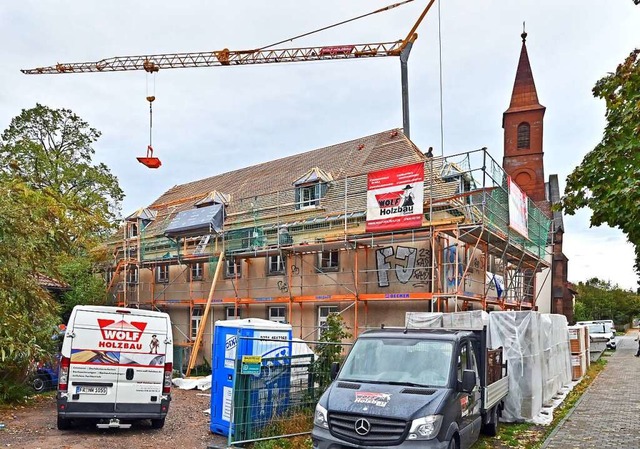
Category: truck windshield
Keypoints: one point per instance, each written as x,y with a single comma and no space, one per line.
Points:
599,328
408,361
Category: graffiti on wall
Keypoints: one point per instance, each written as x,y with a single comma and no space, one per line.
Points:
406,263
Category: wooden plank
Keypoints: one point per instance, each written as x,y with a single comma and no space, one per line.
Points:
205,315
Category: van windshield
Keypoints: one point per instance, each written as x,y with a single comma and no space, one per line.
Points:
393,360
599,328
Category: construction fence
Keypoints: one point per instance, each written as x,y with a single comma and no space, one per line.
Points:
275,395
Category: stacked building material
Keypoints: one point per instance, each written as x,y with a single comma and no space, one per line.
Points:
579,351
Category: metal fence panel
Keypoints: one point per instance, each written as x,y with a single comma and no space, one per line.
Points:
278,397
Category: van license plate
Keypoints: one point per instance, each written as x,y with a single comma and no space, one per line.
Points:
91,390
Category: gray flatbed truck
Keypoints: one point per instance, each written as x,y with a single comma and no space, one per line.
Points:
413,388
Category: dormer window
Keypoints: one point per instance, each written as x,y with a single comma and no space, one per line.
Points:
524,136
308,196
311,188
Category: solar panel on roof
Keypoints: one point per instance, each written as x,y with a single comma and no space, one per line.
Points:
195,222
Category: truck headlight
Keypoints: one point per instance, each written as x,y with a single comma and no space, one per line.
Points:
320,417
425,428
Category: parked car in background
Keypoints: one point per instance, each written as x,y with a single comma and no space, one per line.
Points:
601,330
45,376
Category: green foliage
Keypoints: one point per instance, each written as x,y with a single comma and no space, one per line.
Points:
608,179
601,300
330,350
86,286
55,205
50,150
29,244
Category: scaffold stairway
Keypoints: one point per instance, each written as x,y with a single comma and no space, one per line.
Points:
202,245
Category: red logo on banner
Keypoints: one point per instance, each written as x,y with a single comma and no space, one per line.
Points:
121,330
390,199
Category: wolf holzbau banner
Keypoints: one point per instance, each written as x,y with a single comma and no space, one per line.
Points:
395,197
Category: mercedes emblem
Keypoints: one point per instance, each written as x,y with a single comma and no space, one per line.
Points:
362,427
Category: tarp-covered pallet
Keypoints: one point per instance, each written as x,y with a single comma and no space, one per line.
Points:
536,348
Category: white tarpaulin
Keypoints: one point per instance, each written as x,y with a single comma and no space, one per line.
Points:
535,347
193,383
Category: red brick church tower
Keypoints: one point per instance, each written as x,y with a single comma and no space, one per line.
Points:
522,123
524,162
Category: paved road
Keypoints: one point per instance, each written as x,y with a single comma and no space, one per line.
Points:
608,414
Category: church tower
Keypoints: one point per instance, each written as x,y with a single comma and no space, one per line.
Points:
522,124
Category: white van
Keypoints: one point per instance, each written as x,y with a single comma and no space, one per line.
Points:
116,365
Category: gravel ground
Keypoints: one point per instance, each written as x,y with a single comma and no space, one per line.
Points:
34,426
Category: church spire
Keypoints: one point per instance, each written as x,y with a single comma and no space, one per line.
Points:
524,96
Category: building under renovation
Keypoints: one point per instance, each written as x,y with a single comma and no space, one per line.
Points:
371,228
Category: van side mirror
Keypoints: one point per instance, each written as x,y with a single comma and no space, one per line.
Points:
335,368
468,381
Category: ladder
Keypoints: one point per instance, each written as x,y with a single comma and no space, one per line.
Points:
202,245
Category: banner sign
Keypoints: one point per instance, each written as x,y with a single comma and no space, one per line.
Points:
518,209
395,197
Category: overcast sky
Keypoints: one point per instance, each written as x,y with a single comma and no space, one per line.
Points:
212,120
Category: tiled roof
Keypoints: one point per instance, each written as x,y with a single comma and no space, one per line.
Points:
50,283
340,160
351,159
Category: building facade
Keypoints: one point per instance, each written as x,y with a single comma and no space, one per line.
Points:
371,228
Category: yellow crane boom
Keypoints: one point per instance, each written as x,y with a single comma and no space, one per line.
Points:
225,57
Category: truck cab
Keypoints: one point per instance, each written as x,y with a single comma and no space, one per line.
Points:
427,388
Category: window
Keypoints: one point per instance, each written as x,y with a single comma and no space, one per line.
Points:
232,313
133,230
132,275
307,196
162,274
196,318
232,268
278,314
196,271
275,265
323,313
463,362
311,187
329,260
524,136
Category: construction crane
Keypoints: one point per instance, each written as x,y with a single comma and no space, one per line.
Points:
220,58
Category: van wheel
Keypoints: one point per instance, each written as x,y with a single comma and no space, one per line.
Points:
491,428
453,444
64,424
157,423
40,383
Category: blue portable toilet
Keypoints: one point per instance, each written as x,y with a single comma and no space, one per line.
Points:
228,346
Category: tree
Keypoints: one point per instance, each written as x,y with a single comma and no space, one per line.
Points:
608,179
598,299
88,287
51,149
55,205
28,245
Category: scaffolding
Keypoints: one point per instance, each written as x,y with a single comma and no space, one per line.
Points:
283,250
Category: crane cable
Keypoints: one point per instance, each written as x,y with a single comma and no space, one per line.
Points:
386,8
440,69
150,99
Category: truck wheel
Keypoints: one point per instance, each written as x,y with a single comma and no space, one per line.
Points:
453,444
157,423
63,424
40,383
491,428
